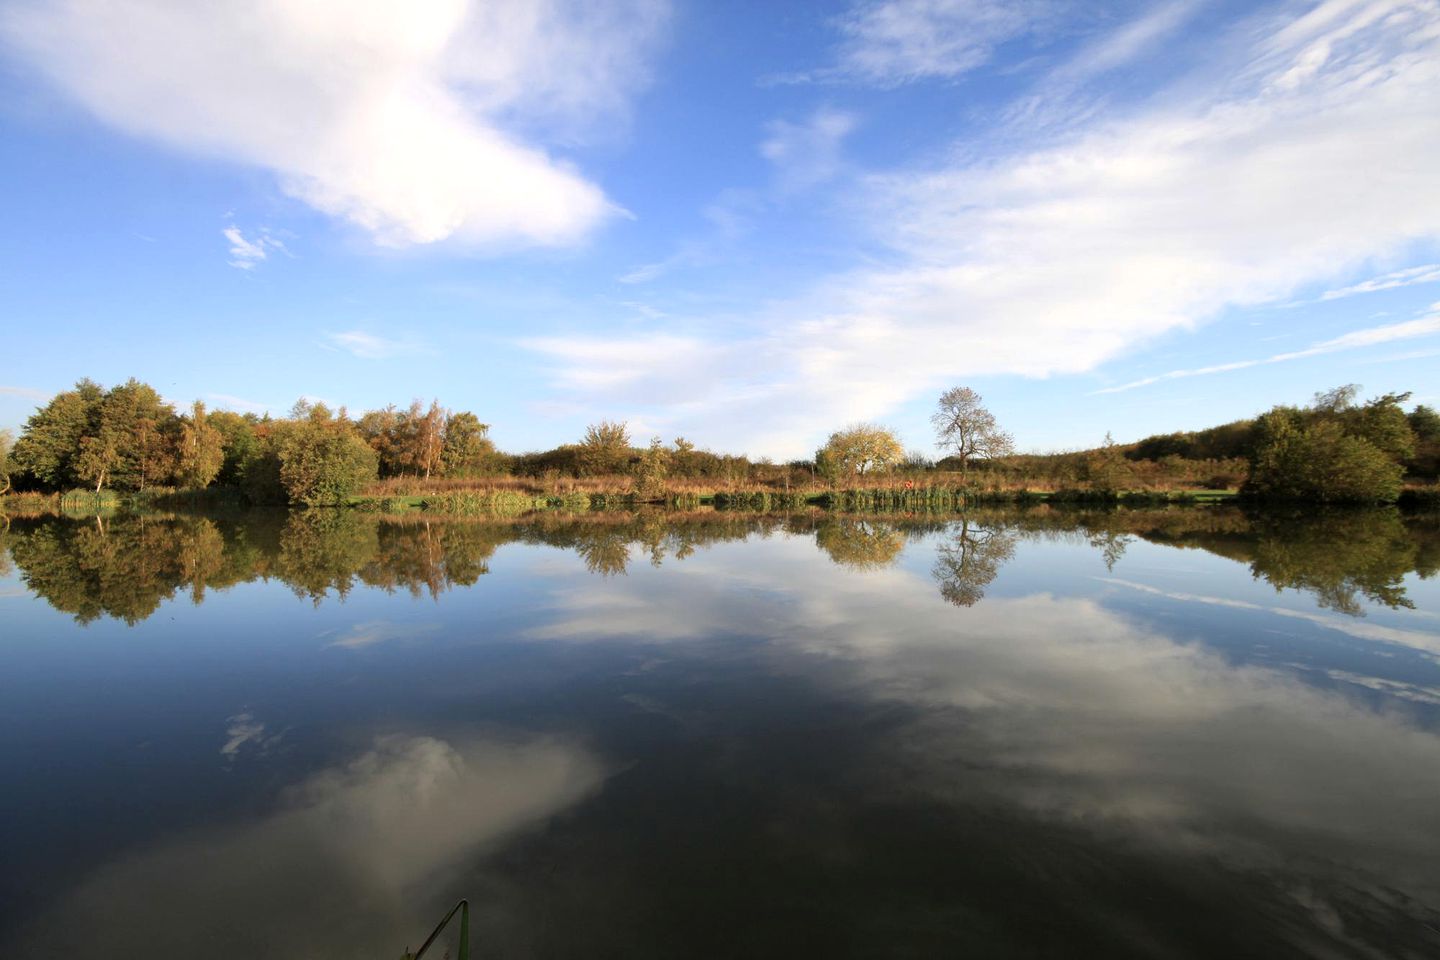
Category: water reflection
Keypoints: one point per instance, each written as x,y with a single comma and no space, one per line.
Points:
358,841
969,558
126,566
1032,733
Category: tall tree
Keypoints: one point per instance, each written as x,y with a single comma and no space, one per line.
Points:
202,450
965,427
467,450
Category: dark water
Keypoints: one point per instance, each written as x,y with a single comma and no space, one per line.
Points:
1182,733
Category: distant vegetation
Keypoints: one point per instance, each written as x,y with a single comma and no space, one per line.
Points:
127,439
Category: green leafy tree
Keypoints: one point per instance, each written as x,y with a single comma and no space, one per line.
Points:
202,450
859,448
239,444
323,463
1384,424
49,444
965,427
1319,461
605,449
467,450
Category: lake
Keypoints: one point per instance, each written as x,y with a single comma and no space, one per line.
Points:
1188,732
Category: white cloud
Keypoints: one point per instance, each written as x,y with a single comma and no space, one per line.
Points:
370,346
901,41
1354,340
246,254
399,119
805,154
1057,258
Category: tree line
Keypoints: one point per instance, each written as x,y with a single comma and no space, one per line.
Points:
128,438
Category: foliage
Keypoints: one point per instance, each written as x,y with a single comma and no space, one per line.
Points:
965,427
605,449
654,468
324,463
1106,469
1319,460
466,450
858,448
202,450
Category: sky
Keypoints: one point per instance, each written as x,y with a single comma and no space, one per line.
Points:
748,224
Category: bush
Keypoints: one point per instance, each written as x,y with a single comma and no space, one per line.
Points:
321,464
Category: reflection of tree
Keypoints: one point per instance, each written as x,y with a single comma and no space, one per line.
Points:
605,550
860,544
965,565
1111,546
1340,557
323,550
120,568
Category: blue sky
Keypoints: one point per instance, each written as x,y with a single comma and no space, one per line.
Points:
748,224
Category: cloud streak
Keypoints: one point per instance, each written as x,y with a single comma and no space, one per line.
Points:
1354,340
370,346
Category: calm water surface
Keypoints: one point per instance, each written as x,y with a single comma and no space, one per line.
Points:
1180,733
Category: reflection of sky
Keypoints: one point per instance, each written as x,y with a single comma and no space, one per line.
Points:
1174,708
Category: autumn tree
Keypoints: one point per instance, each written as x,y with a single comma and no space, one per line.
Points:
654,468
202,450
605,449
858,448
965,427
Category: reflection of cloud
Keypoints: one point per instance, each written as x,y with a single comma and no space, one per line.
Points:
245,729
1069,710
351,865
1414,639
373,632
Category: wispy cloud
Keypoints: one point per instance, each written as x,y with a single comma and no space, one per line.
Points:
1427,273
806,154
245,253
1354,340
892,42
1228,190
370,346
29,392
391,118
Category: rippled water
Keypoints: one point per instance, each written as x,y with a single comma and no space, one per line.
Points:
1179,733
